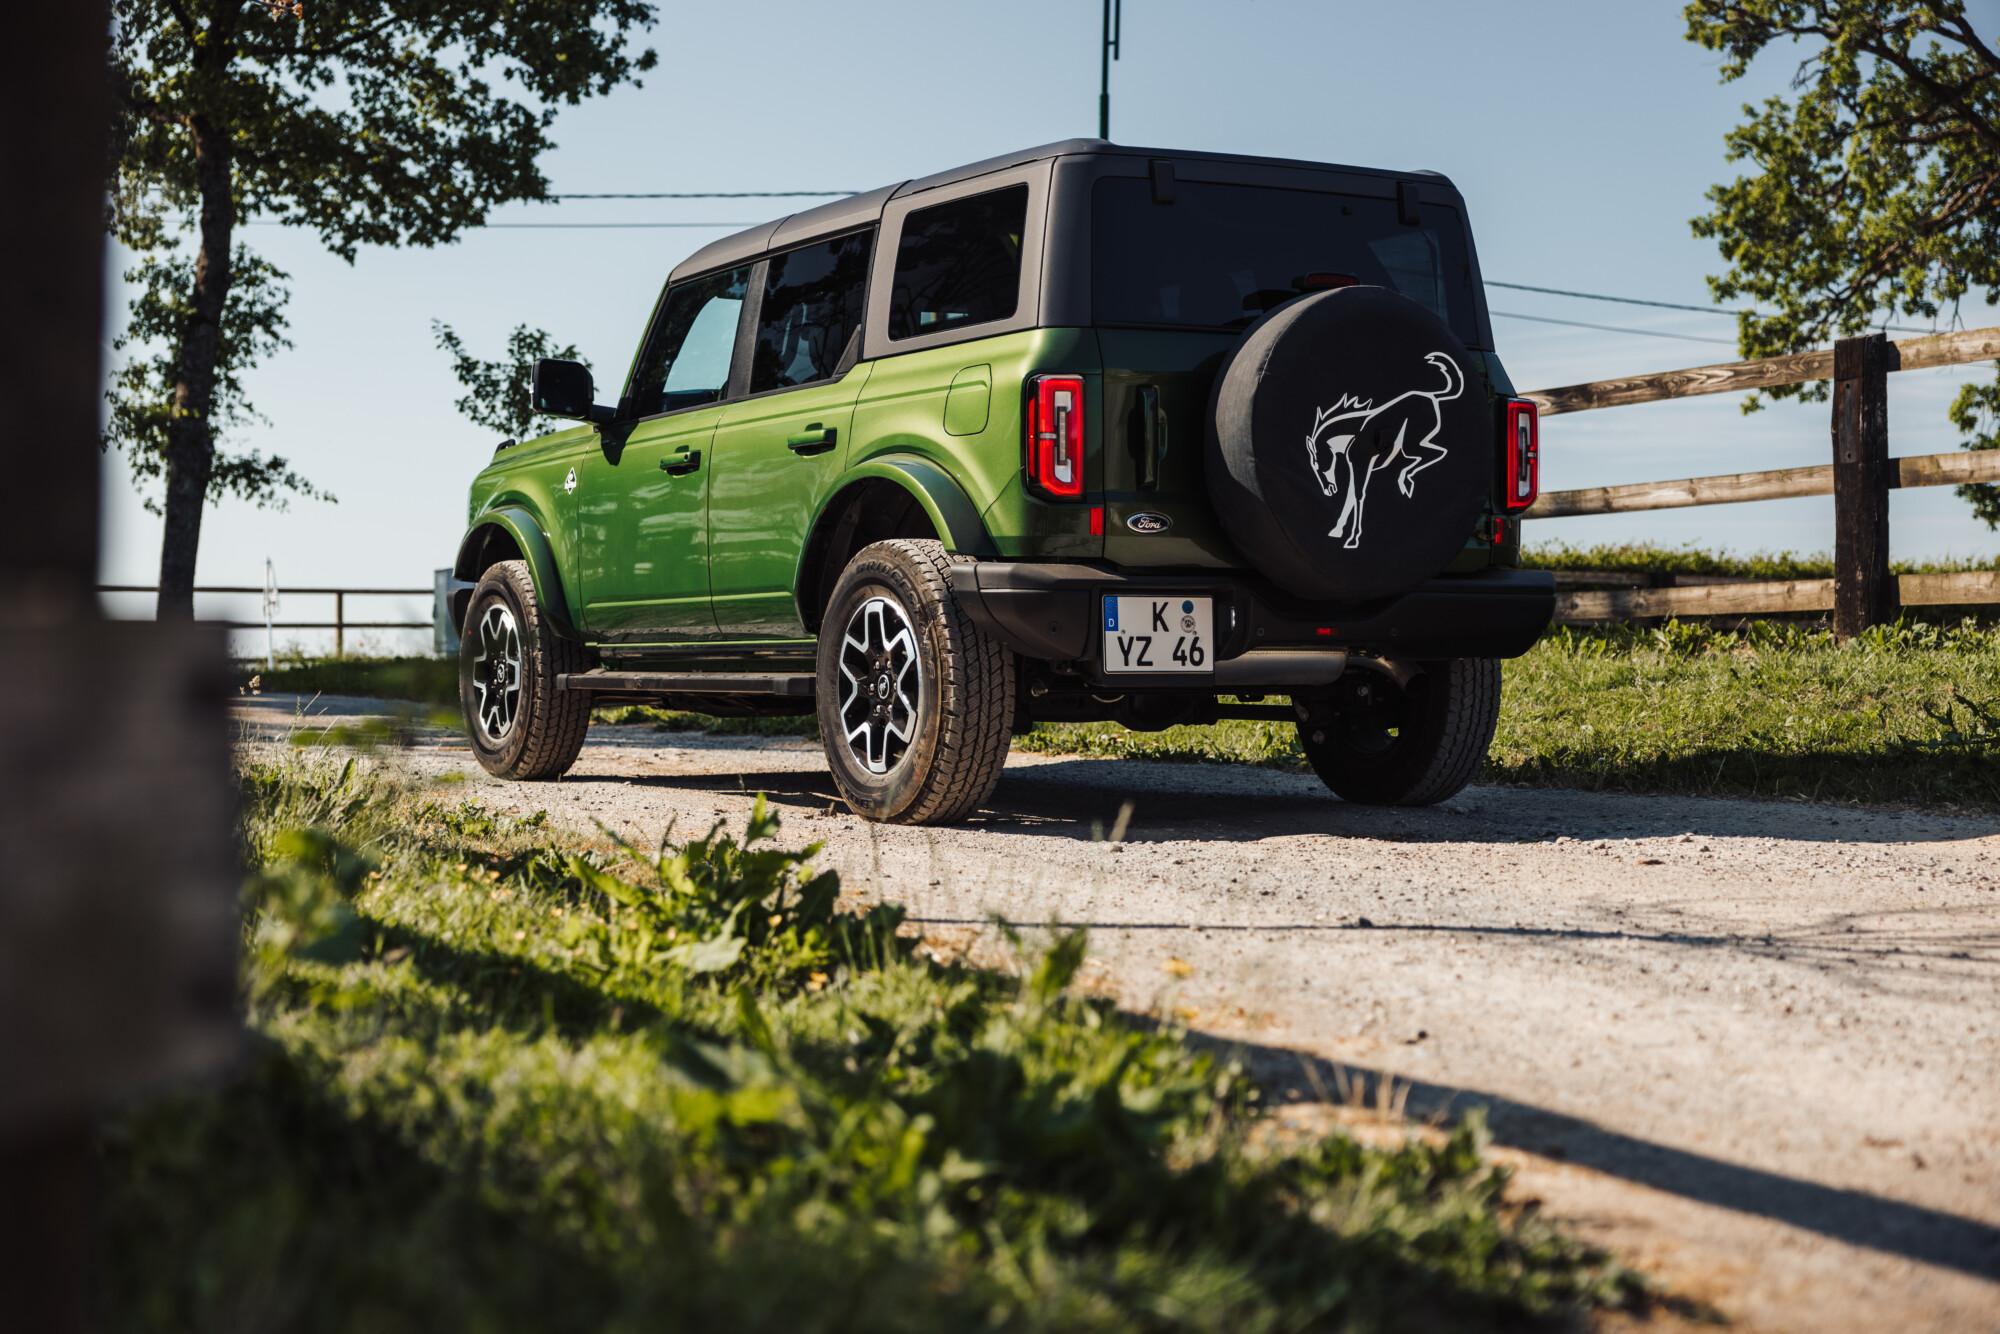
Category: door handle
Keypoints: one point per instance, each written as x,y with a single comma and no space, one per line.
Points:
815,439
682,463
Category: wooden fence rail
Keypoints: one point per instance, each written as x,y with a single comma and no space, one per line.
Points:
340,624
1862,592
1775,484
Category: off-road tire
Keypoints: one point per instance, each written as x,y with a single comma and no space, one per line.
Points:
548,724
965,691
1449,710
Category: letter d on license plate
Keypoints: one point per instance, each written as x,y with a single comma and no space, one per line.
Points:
1158,634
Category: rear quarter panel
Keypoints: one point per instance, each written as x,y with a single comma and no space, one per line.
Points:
903,410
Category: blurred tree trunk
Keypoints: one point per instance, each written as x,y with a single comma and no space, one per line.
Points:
117,904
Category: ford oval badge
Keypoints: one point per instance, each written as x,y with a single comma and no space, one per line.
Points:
1146,521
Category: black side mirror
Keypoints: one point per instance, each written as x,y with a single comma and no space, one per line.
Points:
565,389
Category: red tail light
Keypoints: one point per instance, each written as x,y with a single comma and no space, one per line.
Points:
1524,467
1053,450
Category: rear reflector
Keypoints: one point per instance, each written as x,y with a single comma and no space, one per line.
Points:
1097,520
1052,453
1523,482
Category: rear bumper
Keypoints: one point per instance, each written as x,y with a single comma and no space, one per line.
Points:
1049,612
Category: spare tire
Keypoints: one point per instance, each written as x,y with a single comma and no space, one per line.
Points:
1349,452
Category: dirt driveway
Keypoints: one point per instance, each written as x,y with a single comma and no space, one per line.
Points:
1752,1046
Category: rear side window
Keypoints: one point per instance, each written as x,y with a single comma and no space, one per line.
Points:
959,263
812,306
1219,256
686,362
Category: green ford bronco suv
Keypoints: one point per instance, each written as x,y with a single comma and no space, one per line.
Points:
1082,432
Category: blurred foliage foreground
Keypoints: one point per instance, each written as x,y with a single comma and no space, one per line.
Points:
502,1079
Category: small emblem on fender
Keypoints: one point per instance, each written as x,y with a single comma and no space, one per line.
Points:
1145,521
569,482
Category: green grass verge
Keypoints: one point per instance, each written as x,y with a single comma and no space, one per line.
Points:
1643,557
1905,714
424,680
503,1081
679,720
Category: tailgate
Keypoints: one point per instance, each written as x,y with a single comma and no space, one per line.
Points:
1156,401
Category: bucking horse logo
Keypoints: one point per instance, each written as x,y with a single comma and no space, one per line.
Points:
1353,440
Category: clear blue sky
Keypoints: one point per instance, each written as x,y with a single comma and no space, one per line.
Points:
1582,135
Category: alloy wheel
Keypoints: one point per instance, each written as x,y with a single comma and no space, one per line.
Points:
881,684
496,671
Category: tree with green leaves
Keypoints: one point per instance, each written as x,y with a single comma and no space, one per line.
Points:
499,395
1876,189
367,122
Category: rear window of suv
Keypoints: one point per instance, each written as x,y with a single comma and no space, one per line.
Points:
1219,255
959,263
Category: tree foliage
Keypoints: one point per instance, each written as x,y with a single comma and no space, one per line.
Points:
499,395
369,122
141,394
1876,189
365,122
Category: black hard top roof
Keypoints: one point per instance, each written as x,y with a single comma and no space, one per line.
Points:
862,209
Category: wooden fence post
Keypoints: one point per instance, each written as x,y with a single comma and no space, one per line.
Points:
340,625
1864,593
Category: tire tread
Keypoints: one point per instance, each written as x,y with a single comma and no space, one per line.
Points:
557,720
975,692
1456,725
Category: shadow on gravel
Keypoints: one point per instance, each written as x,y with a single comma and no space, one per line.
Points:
1930,1236
1959,941
1083,799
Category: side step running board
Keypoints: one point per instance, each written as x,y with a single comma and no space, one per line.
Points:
795,685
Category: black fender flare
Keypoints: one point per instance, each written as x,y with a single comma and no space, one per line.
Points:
524,531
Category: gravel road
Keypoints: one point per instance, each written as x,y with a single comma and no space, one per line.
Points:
1754,1047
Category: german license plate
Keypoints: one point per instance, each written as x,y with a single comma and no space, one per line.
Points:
1159,634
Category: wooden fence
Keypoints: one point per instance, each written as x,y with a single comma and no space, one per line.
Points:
340,624
1862,591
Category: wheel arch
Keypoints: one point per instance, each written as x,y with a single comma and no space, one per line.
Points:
511,533
887,496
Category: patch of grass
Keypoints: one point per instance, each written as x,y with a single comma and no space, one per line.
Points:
1905,714
680,720
503,1080
1908,713
1644,557
423,680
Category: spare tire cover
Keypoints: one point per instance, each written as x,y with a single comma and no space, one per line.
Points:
1348,455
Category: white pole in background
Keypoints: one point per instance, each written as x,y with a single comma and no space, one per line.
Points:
270,611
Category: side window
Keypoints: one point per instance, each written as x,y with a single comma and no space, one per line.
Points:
686,362
959,263
811,308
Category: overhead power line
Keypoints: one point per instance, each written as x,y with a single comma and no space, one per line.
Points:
1600,296
1663,305
828,194
1611,328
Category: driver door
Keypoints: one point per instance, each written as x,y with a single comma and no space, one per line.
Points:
642,498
